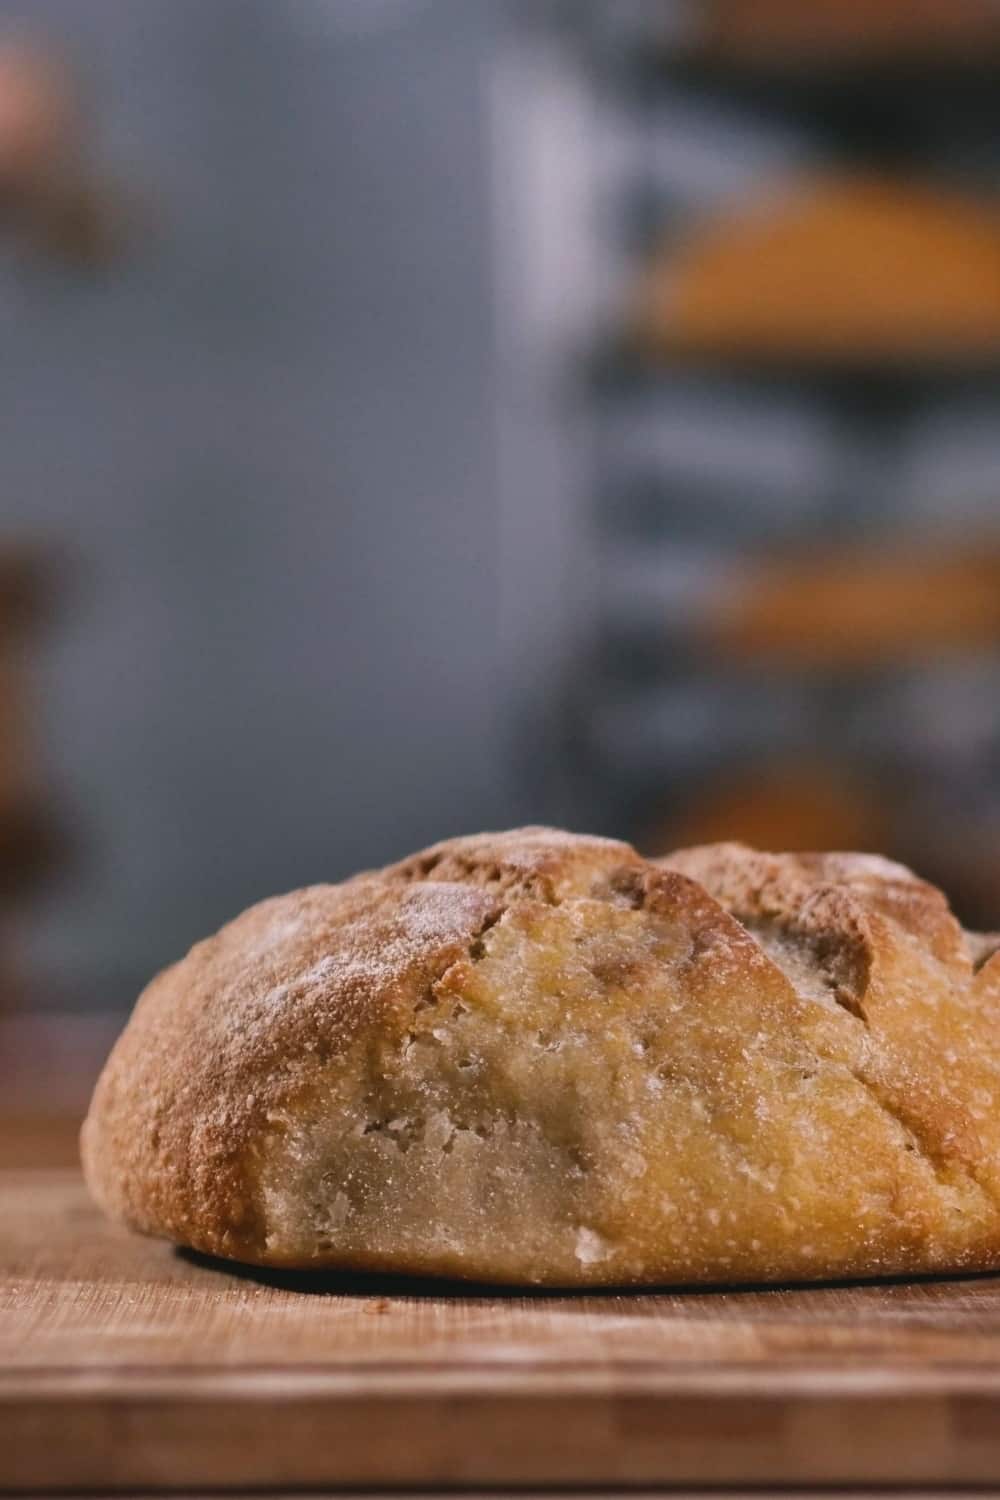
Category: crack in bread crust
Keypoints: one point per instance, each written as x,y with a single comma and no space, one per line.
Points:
537,1057
913,982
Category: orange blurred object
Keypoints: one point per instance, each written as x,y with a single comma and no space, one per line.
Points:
855,268
27,831
802,805
797,805
49,199
38,115
860,609
776,30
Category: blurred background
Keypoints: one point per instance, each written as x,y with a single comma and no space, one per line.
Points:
428,415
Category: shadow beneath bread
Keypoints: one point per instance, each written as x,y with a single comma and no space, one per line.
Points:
378,1284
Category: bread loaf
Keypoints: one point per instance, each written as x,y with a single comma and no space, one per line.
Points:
538,1058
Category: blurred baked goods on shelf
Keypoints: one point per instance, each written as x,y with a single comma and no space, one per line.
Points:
772,31
26,835
29,836
800,803
51,202
853,267
38,113
796,804
859,608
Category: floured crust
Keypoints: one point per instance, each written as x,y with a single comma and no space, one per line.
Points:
537,1058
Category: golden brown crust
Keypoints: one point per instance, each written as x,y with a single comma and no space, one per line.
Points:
544,862
891,953
221,1040
537,1057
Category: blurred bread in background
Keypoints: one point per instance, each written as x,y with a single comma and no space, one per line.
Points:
799,804
50,200
847,267
25,598
28,829
804,30
859,608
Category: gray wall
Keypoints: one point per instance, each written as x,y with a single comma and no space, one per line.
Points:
267,442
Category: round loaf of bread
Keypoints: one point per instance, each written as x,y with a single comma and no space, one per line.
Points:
538,1058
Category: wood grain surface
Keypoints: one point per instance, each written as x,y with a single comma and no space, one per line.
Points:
125,1364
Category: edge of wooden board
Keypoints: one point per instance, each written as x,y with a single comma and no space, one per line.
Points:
120,1429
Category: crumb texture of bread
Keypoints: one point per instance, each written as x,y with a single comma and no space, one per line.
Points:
537,1058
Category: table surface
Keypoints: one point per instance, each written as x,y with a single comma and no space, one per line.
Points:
126,1364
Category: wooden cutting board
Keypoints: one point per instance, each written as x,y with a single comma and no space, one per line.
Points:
125,1364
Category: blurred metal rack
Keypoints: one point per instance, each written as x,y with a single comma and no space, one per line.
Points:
705,463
